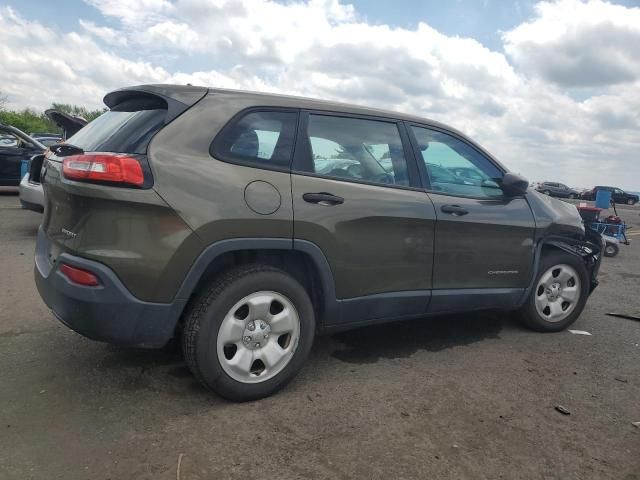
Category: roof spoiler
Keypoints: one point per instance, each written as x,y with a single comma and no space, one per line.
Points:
178,97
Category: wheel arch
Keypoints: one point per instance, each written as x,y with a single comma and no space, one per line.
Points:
570,246
302,259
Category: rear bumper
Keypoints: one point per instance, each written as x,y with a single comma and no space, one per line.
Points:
108,312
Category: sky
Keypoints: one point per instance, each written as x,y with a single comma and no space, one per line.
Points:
551,88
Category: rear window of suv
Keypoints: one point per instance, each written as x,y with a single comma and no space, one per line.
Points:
263,139
127,128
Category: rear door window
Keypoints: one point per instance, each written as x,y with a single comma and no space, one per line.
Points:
356,149
261,138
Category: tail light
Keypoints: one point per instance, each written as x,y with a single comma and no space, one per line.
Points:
116,168
79,276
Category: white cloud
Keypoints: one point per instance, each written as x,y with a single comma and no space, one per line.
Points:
579,44
106,34
515,105
40,65
133,12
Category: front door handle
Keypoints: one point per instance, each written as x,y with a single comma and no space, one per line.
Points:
323,198
456,210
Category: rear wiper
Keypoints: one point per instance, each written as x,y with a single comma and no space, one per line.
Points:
65,149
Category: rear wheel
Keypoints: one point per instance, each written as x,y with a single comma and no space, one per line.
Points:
249,333
559,294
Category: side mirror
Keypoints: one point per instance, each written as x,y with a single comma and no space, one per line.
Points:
513,184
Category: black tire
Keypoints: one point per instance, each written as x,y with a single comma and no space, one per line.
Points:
528,314
205,317
546,192
611,250
631,201
572,196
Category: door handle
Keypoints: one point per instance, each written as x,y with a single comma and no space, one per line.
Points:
456,210
323,198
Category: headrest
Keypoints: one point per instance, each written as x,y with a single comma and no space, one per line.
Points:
246,144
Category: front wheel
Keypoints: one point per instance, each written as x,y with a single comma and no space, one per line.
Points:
572,196
631,201
559,294
546,192
249,333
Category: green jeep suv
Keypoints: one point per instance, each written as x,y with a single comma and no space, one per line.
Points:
246,223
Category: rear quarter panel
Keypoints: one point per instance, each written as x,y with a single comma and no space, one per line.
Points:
134,232
207,193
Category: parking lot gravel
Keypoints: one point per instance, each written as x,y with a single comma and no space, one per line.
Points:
470,396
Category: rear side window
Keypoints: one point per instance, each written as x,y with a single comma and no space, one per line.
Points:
127,128
263,139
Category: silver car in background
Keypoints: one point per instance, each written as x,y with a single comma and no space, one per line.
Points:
31,193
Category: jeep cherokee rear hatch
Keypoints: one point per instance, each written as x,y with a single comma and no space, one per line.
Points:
99,204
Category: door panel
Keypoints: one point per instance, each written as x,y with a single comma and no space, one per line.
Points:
349,192
378,240
491,246
483,240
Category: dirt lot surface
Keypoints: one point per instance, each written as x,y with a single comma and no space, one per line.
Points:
459,397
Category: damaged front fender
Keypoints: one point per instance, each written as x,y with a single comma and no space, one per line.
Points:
589,249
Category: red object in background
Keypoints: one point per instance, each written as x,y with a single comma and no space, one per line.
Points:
589,214
613,219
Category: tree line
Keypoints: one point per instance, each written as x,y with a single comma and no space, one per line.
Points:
30,120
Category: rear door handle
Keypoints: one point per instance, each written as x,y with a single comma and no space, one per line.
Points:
454,210
323,198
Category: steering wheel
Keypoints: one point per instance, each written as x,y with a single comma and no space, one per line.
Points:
384,178
355,170
341,172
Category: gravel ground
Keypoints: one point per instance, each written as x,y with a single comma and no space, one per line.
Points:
459,397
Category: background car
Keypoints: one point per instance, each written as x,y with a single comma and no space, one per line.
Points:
617,195
68,123
556,189
48,141
31,192
15,146
439,174
469,175
39,135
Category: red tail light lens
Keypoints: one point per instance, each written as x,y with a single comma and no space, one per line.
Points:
79,276
104,167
